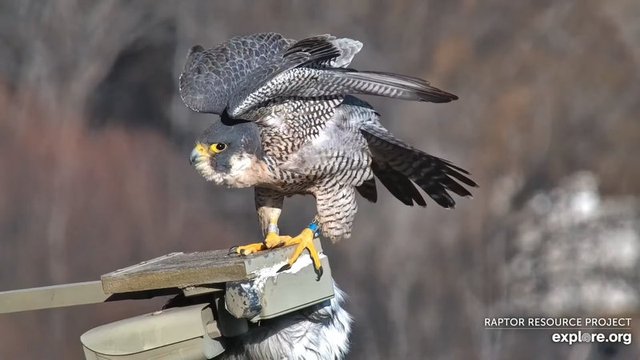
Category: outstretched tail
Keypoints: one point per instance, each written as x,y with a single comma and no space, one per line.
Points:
397,165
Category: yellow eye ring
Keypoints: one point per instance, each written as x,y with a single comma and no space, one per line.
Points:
218,147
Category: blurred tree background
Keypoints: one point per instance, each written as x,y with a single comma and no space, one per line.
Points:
94,171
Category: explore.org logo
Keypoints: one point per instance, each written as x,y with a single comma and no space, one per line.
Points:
569,330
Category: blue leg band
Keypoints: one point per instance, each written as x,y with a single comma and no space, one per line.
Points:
314,227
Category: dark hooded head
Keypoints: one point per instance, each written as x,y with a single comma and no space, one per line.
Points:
229,154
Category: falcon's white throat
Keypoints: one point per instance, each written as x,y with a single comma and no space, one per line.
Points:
242,171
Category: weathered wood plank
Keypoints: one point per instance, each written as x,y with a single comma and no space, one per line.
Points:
182,270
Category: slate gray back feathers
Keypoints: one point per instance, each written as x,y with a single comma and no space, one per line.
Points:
211,77
247,72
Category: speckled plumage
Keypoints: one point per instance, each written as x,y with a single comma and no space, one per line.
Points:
319,332
315,138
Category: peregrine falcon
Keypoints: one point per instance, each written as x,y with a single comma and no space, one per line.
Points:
290,125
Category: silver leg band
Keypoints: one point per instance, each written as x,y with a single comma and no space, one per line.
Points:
273,228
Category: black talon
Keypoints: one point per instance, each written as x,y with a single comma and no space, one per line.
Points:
285,267
319,272
232,250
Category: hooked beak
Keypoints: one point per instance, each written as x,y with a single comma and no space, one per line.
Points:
194,156
198,150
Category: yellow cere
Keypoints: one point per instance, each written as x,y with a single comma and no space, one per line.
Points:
201,149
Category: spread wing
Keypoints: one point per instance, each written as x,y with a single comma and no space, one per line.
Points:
228,75
248,72
313,78
291,74
210,77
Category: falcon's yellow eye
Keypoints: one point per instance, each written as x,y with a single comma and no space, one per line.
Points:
216,148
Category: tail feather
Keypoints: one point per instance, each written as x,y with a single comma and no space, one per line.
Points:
459,174
435,190
426,166
368,190
398,185
433,175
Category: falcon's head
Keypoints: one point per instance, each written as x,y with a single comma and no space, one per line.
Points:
230,154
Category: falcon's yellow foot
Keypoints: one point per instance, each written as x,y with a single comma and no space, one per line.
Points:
304,241
250,248
272,241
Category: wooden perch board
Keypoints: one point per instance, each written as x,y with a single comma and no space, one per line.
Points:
182,270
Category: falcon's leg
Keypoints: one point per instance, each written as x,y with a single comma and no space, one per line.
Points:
336,209
269,206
